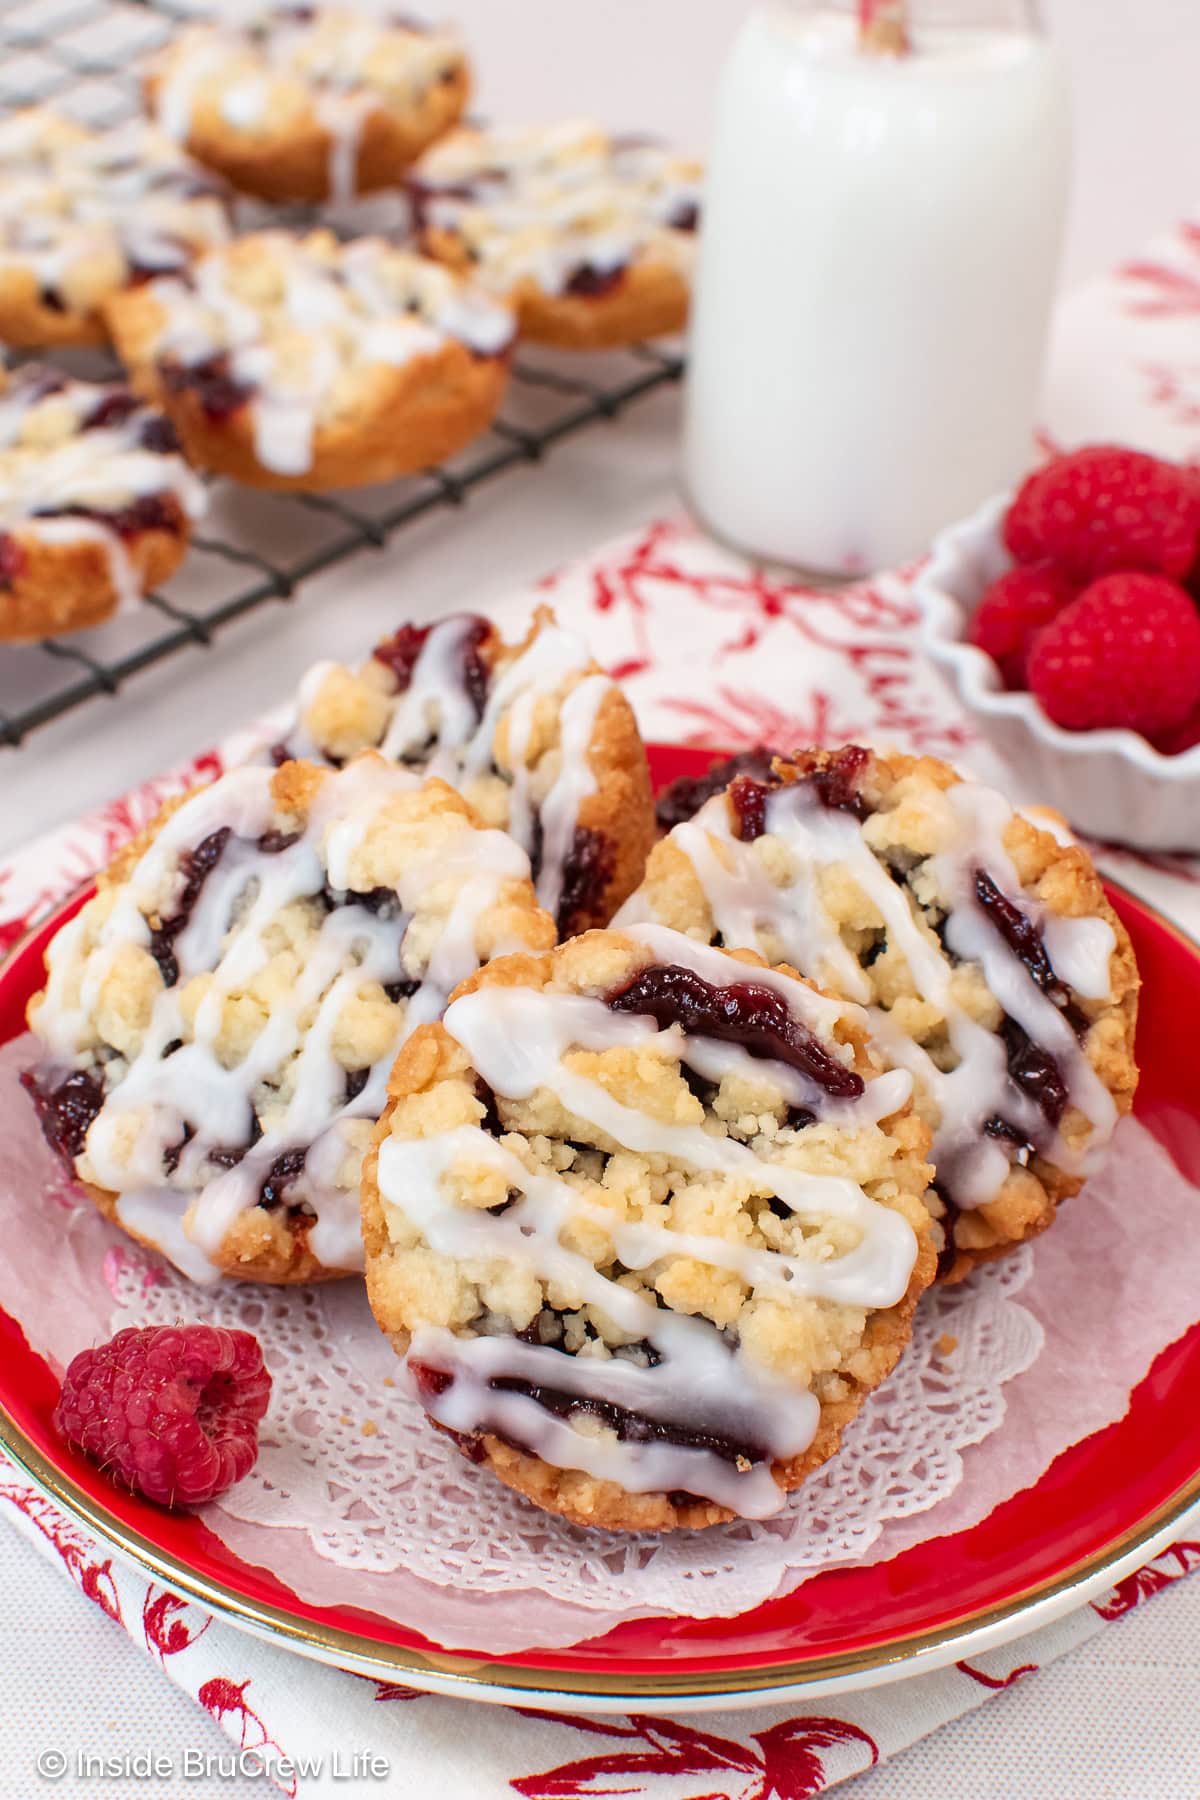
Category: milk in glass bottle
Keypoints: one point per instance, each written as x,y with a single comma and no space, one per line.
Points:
884,209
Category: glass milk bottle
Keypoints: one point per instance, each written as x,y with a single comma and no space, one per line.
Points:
878,252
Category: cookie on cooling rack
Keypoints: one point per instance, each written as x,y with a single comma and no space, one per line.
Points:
96,503
591,238
536,736
218,1023
305,363
87,214
646,1221
994,968
309,103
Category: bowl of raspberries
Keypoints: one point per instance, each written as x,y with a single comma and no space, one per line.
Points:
1067,616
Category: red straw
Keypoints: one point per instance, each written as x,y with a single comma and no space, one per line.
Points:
883,27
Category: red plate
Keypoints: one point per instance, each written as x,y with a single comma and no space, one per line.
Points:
1102,1508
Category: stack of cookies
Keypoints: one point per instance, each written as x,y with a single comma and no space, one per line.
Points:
657,1138
300,360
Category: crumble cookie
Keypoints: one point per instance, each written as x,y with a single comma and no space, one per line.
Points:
647,1222
994,968
218,1023
87,214
96,502
535,735
590,237
305,363
309,103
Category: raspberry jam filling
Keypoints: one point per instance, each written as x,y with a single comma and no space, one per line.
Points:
1034,1071
286,1169
835,784
746,1013
1025,941
593,284
65,1111
217,389
400,652
587,870
196,866
114,409
13,560
684,797
150,512
629,1427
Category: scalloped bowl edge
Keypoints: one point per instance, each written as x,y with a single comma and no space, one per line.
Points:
1111,784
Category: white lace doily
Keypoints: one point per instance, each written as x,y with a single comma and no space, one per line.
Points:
349,1459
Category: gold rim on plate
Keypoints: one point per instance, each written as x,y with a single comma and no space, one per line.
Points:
469,1676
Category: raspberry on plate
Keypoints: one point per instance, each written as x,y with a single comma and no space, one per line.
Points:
1104,508
1013,611
1126,652
168,1411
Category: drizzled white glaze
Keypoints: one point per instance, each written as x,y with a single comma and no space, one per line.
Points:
52,460
549,201
517,1039
749,909
433,726
304,334
345,63
81,208
151,1099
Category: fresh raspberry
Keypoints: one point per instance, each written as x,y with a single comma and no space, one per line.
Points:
1013,610
1104,509
1127,652
169,1411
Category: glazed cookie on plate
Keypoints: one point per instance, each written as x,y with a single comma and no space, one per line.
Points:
96,503
646,1221
306,363
218,1023
540,741
309,103
85,215
591,238
993,967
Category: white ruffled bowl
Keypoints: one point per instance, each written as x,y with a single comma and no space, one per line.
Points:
1111,785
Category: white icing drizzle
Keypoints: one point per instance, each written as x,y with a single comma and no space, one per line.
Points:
82,208
517,1040
792,921
157,1095
346,64
51,460
548,201
433,726
324,312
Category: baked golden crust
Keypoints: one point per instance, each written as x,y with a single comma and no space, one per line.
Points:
619,811
650,299
96,504
843,1351
116,1013
64,587
289,160
1057,876
373,420
590,238
287,151
27,323
258,1245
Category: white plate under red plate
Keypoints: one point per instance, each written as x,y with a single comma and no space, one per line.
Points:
1104,1507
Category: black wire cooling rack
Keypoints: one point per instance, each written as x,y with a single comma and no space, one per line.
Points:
82,55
